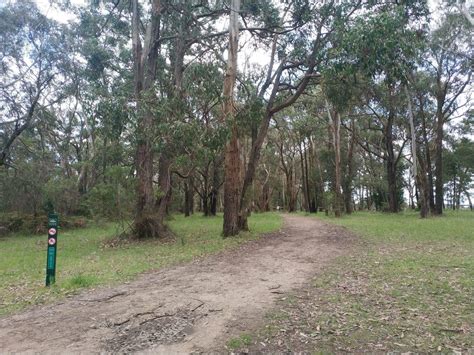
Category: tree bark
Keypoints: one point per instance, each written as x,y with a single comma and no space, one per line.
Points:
421,177
189,196
429,168
391,164
337,163
303,180
215,188
311,197
335,129
232,150
350,171
439,192
146,223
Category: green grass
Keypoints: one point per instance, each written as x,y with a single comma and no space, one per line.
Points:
413,286
85,259
408,286
239,342
408,227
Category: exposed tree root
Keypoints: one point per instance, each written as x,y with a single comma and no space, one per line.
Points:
150,227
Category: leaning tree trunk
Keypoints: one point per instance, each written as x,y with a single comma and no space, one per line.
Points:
273,107
468,196
232,151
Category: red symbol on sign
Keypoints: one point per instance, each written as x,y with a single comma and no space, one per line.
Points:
51,241
52,231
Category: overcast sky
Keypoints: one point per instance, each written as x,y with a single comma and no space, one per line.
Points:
60,16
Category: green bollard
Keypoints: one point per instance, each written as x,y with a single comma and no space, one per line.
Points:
53,223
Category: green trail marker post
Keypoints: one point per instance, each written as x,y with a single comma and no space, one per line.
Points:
53,223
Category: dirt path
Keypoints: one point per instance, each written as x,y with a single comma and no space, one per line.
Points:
192,307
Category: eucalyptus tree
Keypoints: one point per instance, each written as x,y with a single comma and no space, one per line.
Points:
203,85
101,139
174,30
383,47
449,61
232,153
297,49
33,64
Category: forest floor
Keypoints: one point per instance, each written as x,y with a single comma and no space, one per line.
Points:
196,306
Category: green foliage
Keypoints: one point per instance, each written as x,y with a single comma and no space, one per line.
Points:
379,45
264,12
61,192
113,198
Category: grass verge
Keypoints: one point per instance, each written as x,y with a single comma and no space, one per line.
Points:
407,287
85,259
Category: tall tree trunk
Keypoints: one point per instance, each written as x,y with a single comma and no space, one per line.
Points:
391,164
146,223
429,168
164,184
350,167
411,195
424,191
439,193
319,183
232,152
177,59
265,198
189,196
311,197
205,204
187,213
290,187
303,180
337,162
421,178
215,187
205,193
335,124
